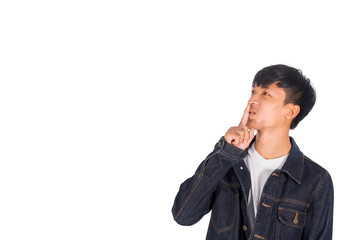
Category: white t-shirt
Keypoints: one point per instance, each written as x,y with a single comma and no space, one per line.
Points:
260,169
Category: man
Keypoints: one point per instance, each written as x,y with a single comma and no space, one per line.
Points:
262,186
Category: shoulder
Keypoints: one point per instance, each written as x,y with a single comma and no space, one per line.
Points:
314,172
311,165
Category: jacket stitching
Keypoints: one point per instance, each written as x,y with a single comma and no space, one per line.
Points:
189,195
268,225
286,200
278,229
224,229
230,156
199,177
301,173
301,226
230,184
318,188
291,210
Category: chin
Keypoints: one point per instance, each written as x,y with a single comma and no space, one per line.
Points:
258,126
252,125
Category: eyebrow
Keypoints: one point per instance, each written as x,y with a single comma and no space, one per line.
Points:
261,87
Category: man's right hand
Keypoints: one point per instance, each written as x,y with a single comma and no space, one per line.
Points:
241,136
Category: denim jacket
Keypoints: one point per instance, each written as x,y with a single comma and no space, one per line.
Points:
296,201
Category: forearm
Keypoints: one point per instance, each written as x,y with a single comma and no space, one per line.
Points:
194,198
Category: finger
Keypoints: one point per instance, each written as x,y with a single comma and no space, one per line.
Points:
246,135
228,139
245,117
251,135
235,142
241,135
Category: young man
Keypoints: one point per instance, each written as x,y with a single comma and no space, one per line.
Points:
262,187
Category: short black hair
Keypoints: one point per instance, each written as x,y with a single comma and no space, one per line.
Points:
297,87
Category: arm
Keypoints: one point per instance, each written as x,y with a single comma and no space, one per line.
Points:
320,214
194,198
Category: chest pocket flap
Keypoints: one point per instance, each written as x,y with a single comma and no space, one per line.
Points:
292,217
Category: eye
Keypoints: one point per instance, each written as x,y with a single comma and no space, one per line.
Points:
266,93
252,92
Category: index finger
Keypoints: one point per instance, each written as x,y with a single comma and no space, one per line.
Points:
245,117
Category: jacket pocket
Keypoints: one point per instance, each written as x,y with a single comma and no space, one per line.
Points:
290,223
225,207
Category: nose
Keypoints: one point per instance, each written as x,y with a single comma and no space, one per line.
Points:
252,100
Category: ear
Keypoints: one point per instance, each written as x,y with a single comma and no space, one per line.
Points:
292,111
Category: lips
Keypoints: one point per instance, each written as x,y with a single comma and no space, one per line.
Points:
252,113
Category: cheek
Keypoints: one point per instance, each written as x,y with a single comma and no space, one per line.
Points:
272,111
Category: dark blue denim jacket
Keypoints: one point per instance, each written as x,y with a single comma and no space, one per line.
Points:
296,202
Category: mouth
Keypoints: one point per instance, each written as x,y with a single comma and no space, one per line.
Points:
252,113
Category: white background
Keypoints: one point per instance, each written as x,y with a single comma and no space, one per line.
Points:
106,107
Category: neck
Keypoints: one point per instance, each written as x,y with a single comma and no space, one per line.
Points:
272,144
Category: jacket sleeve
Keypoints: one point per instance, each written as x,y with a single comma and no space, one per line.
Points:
194,198
319,218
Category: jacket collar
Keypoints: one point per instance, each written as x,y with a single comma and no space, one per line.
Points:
295,162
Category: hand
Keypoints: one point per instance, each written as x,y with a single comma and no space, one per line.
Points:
241,136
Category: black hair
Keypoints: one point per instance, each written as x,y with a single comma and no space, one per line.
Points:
296,86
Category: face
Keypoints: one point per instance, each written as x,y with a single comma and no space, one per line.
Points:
267,108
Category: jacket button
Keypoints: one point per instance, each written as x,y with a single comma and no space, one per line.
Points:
219,144
245,227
